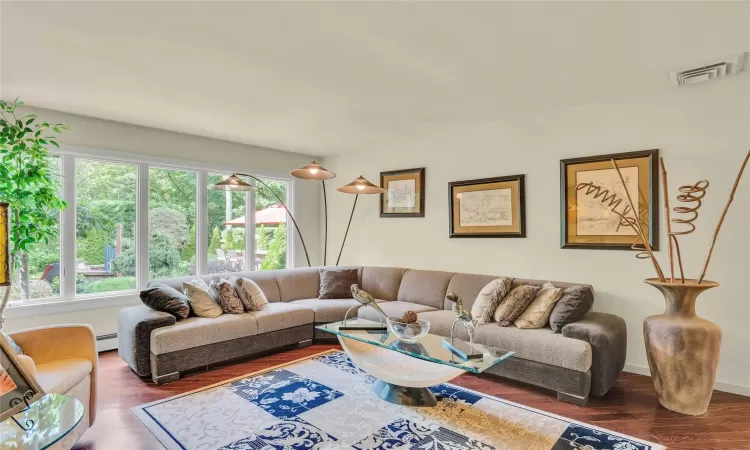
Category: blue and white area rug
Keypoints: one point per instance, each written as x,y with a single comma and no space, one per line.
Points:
325,402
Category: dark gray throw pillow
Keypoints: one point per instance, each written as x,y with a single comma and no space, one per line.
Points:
337,283
575,303
161,297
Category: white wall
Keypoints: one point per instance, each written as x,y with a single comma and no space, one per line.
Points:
113,136
703,132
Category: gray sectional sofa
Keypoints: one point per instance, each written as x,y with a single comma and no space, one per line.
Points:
586,358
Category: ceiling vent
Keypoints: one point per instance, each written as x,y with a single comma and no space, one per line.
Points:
708,71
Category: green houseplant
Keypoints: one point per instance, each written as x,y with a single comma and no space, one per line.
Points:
29,184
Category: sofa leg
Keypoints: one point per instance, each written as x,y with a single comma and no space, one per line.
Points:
574,399
305,343
164,379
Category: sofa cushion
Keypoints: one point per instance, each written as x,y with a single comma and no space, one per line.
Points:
337,282
382,282
223,291
515,303
489,298
250,294
278,316
58,377
467,286
296,284
392,309
574,304
426,287
330,310
198,331
540,345
202,303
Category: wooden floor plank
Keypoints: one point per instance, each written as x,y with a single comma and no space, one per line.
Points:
630,407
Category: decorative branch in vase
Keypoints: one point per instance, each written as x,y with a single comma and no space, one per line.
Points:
678,342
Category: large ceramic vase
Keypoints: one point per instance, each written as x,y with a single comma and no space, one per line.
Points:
682,348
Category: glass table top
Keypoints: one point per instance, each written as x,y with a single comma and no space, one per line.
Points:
429,348
54,416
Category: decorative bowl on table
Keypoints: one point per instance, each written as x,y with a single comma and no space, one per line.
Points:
410,333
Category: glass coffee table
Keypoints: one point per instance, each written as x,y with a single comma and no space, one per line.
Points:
50,419
405,371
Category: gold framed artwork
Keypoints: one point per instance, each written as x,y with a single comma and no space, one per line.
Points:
488,207
18,388
404,193
590,190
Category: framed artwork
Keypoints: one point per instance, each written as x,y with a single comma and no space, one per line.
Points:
489,207
590,190
404,193
18,388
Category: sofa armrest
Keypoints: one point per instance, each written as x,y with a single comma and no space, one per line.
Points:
134,327
57,342
608,337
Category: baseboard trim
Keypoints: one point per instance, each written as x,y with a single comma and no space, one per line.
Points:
722,386
106,342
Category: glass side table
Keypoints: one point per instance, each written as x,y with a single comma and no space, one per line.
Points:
54,417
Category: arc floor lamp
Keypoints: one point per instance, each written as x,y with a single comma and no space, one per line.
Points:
312,171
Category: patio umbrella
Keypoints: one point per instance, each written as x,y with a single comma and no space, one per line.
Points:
273,215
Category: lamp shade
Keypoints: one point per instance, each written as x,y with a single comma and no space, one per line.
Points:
313,171
361,186
4,246
233,183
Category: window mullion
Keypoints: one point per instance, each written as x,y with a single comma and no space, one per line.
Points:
202,232
68,228
250,230
141,228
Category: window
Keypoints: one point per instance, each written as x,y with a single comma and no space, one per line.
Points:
226,223
171,211
270,225
105,226
129,221
38,276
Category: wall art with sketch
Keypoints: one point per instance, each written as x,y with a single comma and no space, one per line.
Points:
593,200
488,207
404,193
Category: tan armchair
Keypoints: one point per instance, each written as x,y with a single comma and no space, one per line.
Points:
66,361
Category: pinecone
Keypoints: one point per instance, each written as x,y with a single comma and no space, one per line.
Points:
409,317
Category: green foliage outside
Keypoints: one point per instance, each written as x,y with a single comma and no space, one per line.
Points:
170,223
215,241
188,252
163,258
109,285
90,247
276,256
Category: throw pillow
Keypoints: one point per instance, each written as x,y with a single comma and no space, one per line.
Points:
489,299
200,299
12,343
536,315
250,294
337,283
514,303
223,291
161,297
575,303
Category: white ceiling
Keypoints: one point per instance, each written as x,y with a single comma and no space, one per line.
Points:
330,77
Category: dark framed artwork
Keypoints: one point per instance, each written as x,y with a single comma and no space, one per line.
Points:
590,189
488,207
18,388
404,193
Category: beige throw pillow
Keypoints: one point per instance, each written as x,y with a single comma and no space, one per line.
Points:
251,295
199,297
489,298
514,303
537,313
223,291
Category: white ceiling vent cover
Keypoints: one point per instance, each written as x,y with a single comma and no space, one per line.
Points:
708,71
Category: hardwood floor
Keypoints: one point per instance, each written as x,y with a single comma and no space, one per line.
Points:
630,407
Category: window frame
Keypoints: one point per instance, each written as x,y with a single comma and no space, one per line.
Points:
69,155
